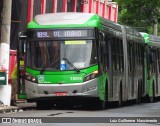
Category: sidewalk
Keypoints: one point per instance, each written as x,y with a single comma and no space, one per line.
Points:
21,105
6,109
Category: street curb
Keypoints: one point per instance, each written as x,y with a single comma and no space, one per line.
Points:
19,108
7,109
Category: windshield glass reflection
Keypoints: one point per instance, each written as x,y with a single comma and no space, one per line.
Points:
50,55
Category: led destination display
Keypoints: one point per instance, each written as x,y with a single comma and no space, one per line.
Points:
60,33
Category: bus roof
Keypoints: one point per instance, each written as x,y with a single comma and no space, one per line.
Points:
151,39
154,38
61,20
77,20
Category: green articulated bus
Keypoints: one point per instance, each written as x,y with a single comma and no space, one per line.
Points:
82,57
152,66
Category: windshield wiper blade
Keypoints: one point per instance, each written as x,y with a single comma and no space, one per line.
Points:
71,65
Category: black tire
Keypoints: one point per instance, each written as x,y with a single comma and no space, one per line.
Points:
101,105
120,98
96,104
138,100
151,98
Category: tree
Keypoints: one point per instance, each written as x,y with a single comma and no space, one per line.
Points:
141,14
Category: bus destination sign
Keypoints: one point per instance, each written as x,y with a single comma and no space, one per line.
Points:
64,33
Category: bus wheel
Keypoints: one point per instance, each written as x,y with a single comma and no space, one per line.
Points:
44,105
101,104
151,98
138,100
120,98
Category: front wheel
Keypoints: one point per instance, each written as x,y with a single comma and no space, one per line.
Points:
97,104
101,105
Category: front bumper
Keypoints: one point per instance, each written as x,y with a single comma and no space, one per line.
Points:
38,91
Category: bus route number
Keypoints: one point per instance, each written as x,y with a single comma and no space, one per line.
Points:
42,34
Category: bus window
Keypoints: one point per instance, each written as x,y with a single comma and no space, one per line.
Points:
79,55
49,54
114,55
158,52
54,54
152,61
42,46
107,54
117,55
121,56
29,61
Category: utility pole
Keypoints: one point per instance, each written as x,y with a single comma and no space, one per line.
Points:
5,90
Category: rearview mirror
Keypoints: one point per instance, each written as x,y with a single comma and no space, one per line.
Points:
22,35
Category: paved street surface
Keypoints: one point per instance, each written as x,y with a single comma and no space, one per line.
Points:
151,110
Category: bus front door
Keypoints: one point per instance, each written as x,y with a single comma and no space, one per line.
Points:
21,49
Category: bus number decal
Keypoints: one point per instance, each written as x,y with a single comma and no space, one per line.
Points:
41,77
76,78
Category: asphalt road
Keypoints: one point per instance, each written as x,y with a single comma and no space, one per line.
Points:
145,114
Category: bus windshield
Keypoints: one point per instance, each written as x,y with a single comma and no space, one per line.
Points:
52,55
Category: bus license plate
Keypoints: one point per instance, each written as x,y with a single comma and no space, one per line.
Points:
60,93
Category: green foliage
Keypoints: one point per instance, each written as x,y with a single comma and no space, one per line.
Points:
141,14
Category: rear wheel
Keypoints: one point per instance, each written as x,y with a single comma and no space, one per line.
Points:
151,99
120,98
138,100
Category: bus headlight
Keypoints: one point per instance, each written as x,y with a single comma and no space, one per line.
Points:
29,77
91,76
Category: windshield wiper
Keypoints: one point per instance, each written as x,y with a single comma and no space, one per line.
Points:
75,68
